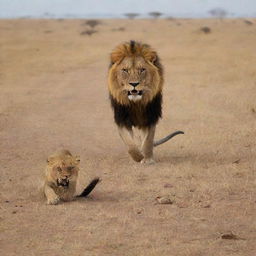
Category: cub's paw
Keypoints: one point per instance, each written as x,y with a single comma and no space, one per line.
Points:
53,201
147,161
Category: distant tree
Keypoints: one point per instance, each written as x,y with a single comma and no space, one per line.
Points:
131,15
155,15
92,23
218,13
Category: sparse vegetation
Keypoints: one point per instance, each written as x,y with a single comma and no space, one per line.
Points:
92,23
248,22
155,15
218,13
131,16
170,18
118,29
206,30
88,32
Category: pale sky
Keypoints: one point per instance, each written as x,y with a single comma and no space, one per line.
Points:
108,8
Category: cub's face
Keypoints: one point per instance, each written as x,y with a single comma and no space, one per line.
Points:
64,171
134,80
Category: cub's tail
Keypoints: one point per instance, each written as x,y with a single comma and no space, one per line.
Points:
89,188
163,140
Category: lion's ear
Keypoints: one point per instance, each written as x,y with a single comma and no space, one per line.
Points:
152,57
115,57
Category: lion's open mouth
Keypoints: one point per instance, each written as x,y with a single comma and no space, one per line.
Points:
134,92
135,95
63,182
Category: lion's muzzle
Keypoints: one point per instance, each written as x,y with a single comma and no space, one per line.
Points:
135,95
63,182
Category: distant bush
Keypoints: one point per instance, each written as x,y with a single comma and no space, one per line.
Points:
92,23
206,30
88,32
131,15
218,13
248,22
155,15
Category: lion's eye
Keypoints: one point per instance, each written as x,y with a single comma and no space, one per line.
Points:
142,70
59,169
70,168
125,70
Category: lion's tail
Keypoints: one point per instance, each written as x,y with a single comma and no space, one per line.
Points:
168,137
89,188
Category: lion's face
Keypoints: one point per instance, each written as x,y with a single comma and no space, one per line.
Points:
134,78
64,171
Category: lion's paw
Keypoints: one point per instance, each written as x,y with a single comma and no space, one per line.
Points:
135,154
53,201
148,161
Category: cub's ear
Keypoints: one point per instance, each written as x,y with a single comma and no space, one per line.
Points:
49,159
77,158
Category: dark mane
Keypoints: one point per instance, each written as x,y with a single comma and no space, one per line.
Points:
137,115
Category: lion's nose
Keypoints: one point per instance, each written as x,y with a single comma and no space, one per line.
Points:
134,84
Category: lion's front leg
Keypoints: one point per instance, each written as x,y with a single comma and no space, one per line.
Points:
127,137
148,144
52,197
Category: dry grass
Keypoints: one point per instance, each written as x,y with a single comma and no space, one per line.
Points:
54,95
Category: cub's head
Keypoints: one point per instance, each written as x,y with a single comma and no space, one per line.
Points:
135,73
63,169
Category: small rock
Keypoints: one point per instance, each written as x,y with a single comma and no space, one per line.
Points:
168,185
237,161
139,211
229,236
164,200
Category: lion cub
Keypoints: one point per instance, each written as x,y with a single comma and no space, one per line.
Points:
61,177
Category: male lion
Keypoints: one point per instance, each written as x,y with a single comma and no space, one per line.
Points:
135,83
61,177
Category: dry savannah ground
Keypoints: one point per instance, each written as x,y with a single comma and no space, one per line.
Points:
54,95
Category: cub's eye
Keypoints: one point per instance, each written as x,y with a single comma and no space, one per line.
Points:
59,169
70,168
125,70
142,70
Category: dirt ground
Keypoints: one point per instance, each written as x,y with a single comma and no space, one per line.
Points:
53,95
